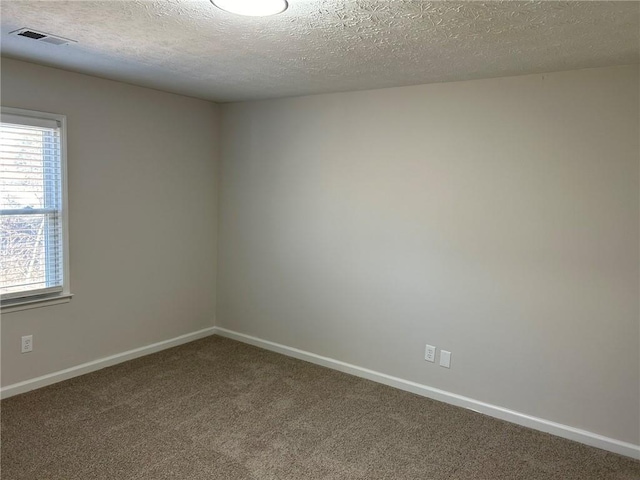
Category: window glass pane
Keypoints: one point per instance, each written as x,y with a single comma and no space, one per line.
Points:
22,253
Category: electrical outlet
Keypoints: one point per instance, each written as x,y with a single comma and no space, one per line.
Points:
430,353
445,359
27,343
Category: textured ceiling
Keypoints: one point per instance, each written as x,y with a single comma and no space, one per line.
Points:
317,46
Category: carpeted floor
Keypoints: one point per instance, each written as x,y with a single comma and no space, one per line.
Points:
219,409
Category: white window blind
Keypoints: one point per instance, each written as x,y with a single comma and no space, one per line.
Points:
31,206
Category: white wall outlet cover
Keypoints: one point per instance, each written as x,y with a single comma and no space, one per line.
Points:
27,343
430,353
445,359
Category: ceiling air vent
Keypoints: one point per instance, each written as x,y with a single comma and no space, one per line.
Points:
41,36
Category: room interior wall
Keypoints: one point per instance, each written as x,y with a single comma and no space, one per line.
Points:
142,171
497,219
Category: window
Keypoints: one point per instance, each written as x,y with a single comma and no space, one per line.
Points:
33,208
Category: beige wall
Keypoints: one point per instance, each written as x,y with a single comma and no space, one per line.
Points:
498,219
143,211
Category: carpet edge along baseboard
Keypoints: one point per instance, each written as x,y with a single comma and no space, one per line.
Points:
100,363
565,431
536,423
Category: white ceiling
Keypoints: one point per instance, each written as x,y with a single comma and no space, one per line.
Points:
317,46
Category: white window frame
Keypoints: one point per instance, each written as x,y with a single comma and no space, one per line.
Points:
25,302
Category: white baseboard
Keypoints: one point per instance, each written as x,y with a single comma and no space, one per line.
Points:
59,376
565,431
558,429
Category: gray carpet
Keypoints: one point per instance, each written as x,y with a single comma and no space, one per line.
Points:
219,409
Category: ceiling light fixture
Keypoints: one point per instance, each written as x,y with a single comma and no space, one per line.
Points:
252,8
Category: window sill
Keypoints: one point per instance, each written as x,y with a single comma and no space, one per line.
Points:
28,303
